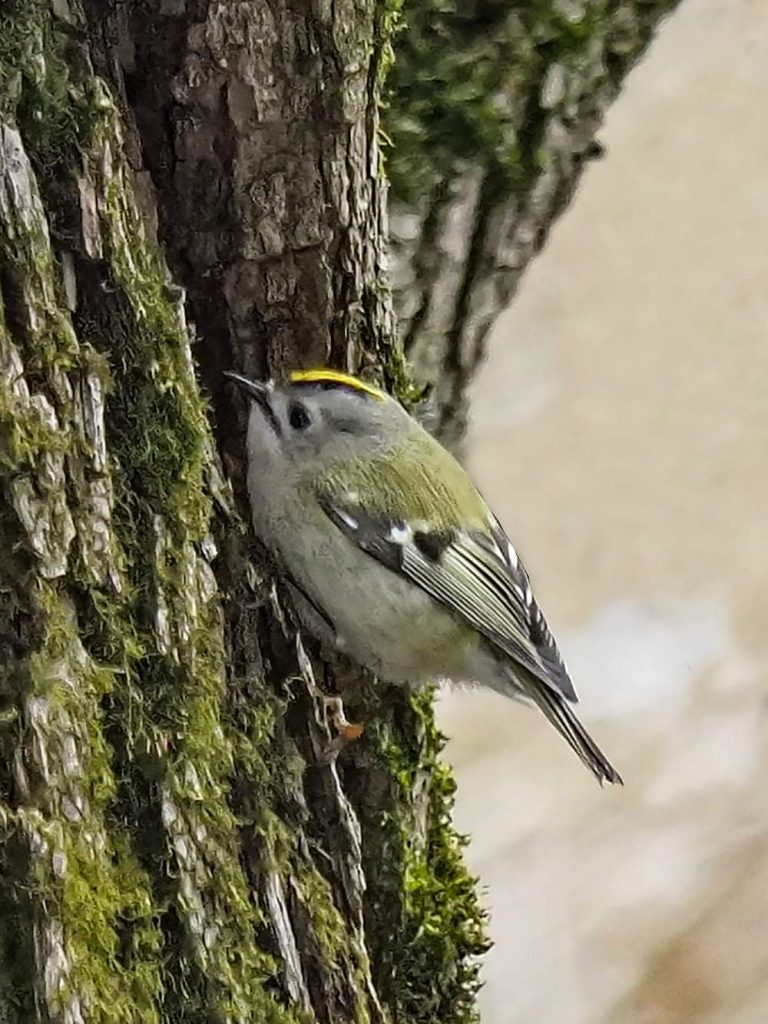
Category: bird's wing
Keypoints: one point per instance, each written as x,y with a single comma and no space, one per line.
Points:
477,576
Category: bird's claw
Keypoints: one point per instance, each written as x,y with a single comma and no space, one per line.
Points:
346,732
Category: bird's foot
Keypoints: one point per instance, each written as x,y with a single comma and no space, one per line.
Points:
346,732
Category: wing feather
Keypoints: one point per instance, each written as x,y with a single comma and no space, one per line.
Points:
476,576
456,583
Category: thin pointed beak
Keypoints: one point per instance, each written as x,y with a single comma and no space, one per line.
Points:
254,389
259,393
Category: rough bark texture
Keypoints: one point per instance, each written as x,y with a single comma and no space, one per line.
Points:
487,149
173,847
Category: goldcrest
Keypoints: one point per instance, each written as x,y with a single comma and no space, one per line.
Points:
395,555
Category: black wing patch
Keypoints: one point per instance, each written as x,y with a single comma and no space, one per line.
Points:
475,576
538,630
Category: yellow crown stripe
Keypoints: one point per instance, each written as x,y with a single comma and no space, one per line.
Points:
336,377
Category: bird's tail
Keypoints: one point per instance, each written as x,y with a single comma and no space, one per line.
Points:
577,737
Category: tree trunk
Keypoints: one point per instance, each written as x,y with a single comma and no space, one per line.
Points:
175,847
487,150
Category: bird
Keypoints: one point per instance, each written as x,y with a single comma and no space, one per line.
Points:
393,554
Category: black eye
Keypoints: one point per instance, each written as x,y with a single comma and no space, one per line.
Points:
298,416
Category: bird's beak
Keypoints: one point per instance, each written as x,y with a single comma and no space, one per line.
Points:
254,389
258,392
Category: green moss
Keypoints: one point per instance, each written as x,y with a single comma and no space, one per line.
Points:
89,882
329,929
400,381
466,85
443,106
187,787
23,439
140,847
389,13
84,870
423,907
35,85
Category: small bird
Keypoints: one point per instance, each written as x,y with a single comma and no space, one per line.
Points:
392,551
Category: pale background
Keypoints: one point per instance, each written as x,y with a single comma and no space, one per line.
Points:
621,433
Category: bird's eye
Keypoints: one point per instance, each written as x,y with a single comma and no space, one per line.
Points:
298,416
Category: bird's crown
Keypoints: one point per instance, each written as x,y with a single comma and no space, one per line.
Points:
327,379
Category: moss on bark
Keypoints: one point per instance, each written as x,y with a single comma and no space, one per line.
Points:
492,116
174,849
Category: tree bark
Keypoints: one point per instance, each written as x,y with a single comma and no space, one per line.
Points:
487,150
174,846
181,182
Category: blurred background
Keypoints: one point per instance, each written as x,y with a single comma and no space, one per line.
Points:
620,431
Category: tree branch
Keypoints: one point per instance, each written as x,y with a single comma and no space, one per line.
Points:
488,146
